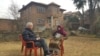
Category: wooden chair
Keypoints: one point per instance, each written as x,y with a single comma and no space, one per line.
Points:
24,44
61,46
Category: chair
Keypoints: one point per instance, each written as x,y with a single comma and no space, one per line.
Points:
24,44
61,47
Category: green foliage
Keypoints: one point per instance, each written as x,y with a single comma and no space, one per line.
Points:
46,33
73,19
9,37
79,3
92,3
98,24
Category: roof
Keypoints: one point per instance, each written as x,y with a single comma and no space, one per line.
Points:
37,3
30,4
52,3
6,19
62,9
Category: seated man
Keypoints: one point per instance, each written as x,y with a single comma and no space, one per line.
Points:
29,35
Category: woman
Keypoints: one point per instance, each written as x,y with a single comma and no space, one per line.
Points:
57,40
60,30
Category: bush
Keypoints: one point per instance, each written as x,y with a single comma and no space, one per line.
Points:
9,36
46,33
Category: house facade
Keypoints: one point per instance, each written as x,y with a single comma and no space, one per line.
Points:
42,15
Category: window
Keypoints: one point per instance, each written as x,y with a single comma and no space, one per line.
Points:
30,9
40,22
56,10
57,22
49,20
41,9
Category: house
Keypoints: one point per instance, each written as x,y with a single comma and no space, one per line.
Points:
42,15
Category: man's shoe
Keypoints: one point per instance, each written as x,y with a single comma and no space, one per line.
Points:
46,55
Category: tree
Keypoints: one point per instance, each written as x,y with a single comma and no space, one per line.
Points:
98,27
80,5
92,4
13,11
71,21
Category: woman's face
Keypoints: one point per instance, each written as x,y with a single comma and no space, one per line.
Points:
58,28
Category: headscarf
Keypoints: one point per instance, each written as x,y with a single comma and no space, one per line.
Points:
60,30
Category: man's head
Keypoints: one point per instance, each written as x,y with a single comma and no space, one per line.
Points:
29,25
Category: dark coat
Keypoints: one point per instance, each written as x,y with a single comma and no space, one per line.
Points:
28,35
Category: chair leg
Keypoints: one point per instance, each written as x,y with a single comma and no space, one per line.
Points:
61,53
25,54
40,51
35,51
30,52
62,46
62,50
22,48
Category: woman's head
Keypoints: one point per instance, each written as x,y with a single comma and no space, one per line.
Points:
29,25
61,30
59,27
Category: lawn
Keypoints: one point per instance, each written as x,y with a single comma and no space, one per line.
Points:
74,46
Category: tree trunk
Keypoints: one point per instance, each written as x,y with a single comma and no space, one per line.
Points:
91,16
83,16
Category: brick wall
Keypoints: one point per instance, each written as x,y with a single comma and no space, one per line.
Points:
6,25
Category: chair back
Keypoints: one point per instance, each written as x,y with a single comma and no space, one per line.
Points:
24,42
21,38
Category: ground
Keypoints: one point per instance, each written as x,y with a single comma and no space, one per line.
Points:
74,46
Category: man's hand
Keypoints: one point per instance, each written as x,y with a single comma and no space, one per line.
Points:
37,38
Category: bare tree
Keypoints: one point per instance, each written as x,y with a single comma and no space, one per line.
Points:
13,10
14,14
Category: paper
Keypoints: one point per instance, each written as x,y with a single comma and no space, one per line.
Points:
58,35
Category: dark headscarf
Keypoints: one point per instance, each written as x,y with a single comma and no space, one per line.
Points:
60,30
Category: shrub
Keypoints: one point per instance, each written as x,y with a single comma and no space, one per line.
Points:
9,36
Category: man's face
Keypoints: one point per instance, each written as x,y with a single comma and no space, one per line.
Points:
31,26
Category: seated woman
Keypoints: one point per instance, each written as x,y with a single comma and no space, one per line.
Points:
29,35
58,36
59,32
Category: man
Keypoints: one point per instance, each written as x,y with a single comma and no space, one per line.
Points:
29,35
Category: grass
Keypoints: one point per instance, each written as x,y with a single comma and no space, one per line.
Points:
74,46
